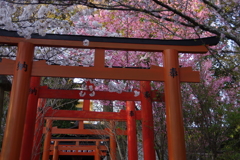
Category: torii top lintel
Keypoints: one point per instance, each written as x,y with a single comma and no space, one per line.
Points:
111,43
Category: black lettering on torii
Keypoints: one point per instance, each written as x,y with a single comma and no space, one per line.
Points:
33,91
173,72
20,66
131,113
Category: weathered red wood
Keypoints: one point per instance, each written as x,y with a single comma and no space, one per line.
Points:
153,74
78,153
55,151
186,74
88,115
86,105
39,124
40,68
58,149
147,121
174,117
99,59
131,131
113,144
79,140
56,130
65,153
7,66
47,138
28,135
74,94
97,151
45,92
80,124
80,147
12,140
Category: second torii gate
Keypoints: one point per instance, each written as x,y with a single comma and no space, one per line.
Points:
24,67
130,115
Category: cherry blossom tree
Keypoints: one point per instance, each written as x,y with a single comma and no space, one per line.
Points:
210,108
152,18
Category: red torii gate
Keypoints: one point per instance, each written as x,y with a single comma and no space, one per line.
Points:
49,130
130,115
24,67
57,149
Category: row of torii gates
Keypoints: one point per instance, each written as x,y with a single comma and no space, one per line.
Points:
18,136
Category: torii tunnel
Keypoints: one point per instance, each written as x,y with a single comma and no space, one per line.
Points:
23,105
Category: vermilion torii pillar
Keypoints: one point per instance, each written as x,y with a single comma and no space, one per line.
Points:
131,131
47,140
85,107
38,129
28,136
55,151
97,155
174,117
18,102
147,121
113,143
